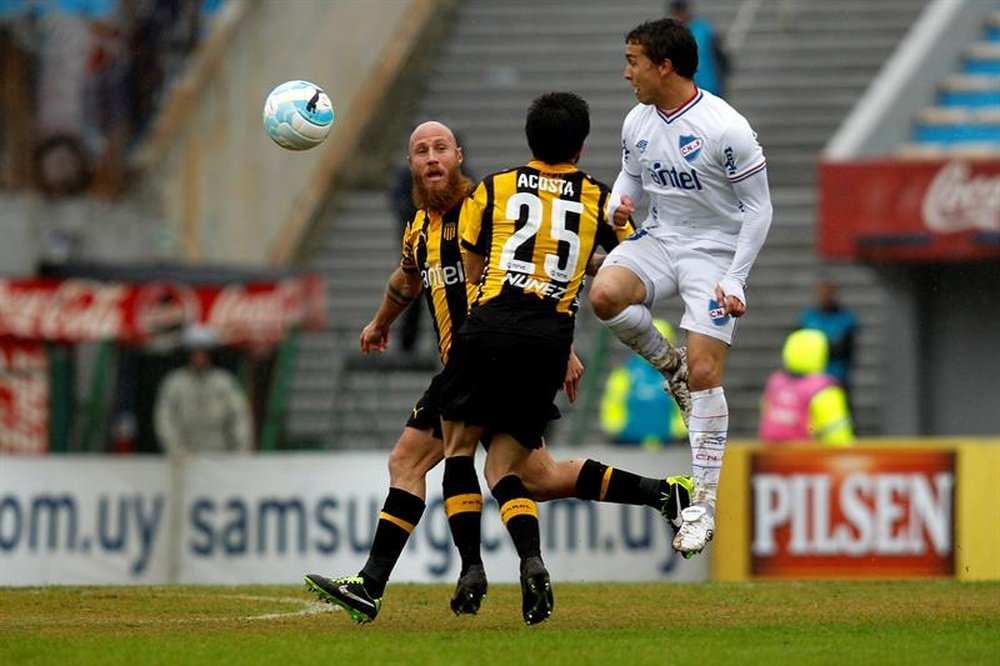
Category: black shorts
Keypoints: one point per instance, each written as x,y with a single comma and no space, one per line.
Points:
426,414
504,381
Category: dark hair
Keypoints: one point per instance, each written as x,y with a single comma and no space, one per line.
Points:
557,124
667,39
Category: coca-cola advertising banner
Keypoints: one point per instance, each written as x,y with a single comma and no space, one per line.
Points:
881,513
83,310
901,210
24,397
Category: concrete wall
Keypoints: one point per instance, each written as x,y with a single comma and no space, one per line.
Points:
225,190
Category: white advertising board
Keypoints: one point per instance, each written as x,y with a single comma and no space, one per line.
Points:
273,518
84,520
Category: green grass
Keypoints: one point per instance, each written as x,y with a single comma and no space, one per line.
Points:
760,623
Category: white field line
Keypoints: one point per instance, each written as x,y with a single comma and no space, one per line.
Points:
305,608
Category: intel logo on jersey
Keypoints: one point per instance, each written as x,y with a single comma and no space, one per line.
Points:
690,147
717,313
671,177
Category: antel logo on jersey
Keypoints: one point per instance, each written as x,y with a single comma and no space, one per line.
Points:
690,147
438,275
862,512
717,313
668,176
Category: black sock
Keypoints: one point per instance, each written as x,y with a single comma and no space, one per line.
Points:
601,483
463,503
519,514
400,514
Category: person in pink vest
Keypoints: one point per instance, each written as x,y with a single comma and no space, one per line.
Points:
801,402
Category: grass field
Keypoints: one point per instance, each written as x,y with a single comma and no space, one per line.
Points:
760,623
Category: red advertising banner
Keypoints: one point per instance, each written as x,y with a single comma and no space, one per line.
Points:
80,310
883,513
903,210
24,397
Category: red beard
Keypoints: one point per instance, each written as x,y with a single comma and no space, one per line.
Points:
441,199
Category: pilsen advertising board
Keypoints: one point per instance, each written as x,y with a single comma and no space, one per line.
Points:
865,513
910,211
82,310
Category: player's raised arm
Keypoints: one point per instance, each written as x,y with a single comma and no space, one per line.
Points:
400,291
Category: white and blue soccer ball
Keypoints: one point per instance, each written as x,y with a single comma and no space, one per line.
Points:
298,115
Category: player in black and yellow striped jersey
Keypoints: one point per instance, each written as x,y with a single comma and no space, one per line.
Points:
530,233
428,263
431,250
538,225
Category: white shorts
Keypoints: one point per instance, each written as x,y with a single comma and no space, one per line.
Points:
690,268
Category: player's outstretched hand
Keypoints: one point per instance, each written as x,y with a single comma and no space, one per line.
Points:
574,373
731,305
623,211
374,338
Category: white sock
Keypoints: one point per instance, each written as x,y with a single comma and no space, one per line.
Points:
707,433
634,327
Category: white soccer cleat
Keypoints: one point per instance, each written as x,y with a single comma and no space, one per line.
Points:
697,529
677,386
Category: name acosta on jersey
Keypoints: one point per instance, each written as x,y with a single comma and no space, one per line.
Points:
442,276
534,181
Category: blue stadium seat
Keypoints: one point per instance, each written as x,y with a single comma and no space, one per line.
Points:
967,111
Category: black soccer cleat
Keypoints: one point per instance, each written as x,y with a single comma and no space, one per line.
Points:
469,591
536,592
349,593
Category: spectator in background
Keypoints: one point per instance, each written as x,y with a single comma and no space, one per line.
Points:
839,325
635,409
801,402
201,408
713,61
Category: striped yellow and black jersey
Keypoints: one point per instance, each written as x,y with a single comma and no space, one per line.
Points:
431,248
538,226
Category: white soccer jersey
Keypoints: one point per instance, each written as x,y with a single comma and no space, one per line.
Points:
690,162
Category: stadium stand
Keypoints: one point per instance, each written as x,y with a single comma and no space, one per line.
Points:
966,117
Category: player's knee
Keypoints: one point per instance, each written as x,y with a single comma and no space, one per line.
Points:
410,462
606,299
704,372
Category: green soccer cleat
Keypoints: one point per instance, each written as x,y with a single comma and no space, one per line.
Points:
536,592
469,591
676,499
347,592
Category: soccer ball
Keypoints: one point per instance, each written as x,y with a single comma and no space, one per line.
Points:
297,115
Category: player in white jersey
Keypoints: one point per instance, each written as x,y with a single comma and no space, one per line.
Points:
699,162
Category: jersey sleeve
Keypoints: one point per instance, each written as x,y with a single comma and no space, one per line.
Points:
474,223
741,154
408,258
